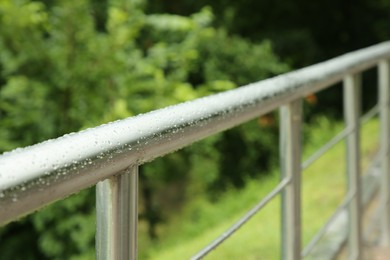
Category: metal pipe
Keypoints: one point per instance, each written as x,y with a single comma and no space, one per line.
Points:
369,115
337,138
351,112
384,100
52,170
290,157
213,245
326,147
117,216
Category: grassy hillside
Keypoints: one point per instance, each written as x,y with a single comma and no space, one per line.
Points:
322,190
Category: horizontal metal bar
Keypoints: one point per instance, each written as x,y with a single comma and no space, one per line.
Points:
338,138
325,227
52,170
213,245
321,151
336,235
369,115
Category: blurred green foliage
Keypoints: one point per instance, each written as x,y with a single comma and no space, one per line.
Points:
69,65
303,32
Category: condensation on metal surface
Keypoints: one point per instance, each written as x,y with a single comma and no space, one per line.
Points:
37,175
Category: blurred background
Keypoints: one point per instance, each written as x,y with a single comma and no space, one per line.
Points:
69,65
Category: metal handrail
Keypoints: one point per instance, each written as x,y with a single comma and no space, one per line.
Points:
80,160
342,207
40,174
282,184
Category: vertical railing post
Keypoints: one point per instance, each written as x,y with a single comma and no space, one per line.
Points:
384,84
290,156
351,114
117,216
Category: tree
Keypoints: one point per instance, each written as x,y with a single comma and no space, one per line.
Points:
68,65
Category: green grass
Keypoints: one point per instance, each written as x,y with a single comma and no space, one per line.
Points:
323,186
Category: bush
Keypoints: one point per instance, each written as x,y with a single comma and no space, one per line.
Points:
74,64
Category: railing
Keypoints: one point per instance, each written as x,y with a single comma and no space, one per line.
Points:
109,155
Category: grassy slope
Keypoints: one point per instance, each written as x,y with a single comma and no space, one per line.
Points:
322,190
